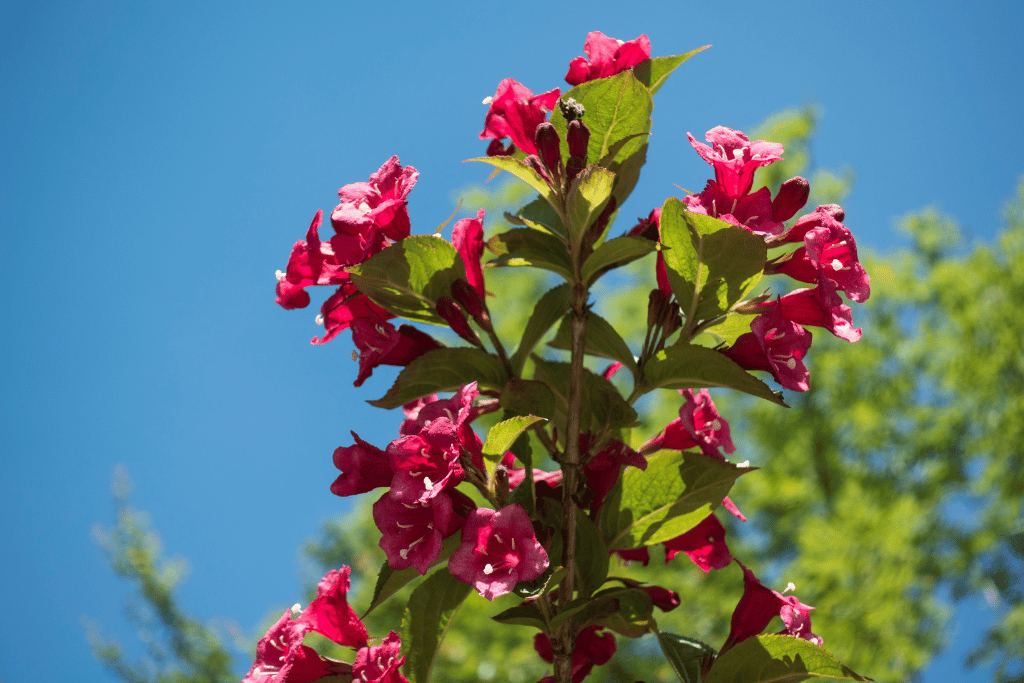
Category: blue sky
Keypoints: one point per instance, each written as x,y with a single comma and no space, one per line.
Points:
158,160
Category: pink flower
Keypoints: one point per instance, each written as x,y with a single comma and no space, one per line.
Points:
380,663
499,549
363,466
426,463
330,615
515,113
373,212
458,409
379,343
777,345
750,211
820,307
829,258
344,306
282,658
603,469
468,239
664,599
311,262
412,532
759,605
704,544
735,158
608,57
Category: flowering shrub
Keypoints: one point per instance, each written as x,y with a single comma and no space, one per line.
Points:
483,514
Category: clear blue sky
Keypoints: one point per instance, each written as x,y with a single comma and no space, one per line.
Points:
158,160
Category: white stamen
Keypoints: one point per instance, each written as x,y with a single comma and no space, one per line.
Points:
791,363
790,587
319,319
428,484
404,526
837,264
745,463
488,569
364,207
488,99
497,538
513,543
404,553
279,274
296,608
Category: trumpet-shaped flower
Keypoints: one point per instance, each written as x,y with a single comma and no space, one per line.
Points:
515,113
735,158
607,57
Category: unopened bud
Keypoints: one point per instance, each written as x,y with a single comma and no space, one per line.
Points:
468,298
656,303
533,161
672,321
547,146
573,166
790,198
570,109
498,149
578,137
452,314
835,211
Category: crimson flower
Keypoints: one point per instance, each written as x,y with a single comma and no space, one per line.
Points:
604,468
373,212
411,533
380,663
468,239
379,343
704,544
330,614
515,113
590,649
344,306
777,345
759,605
499,549
426,463
829,258
735,158
750,211
820,307
363,466
608,57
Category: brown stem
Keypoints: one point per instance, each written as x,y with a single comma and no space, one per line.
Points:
562,646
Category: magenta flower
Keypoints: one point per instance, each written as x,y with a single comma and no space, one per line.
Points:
468,239
363,466
701,420
426,463
282,658
344,306
777,345
590,649
515,113
330,614
608,57
759,605
750,211
379,343
704,544
820,307
380,663
829,258
499,549
311,262
808,222
664,599
458,409
412,532
603,469
735,158
372,212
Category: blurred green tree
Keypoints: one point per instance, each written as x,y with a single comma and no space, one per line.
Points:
895,481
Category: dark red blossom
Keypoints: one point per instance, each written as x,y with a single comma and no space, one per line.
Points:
371,211
777,345
499,549
363,466
468,240
790,198
282,658
603,468
820,307
379,343
380,663
664,599
411,533
589,650
330,614
607,57
704,544
515,113
735,158
750,211
344,306
426,463
759,605
829,258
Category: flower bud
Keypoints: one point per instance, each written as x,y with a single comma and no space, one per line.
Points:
497,149
656,302
573,166
452,314
570,109
468,298
534,162
578,137
547,146
790,198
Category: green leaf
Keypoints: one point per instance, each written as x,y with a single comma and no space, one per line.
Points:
529,247
519,169
615,253
501,436
767,659
540,212
654,72
591,554
390,581
688,366
527,397
617,107
602,340
685,655
726,331
603,408
427,617
521,615
635,616
408,277
711,264
443,370
548,311
627,174
589,193
674,494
